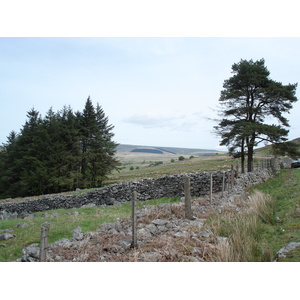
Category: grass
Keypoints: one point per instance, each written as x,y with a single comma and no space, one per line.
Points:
89,219
270,220
196,164
243,231
284,189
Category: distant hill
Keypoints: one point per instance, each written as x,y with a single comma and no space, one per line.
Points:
266,150
162,150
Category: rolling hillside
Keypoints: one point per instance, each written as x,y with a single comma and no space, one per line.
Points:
266,150
165,150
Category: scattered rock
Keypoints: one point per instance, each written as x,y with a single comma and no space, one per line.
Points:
6,230
24,215
117,225
174,239
125,243
90,205
151,256
206,233
4,215
31,253
285,250
144,233
159,222
22,225
29,217
6,236
73,213
50,215
77,233
61,243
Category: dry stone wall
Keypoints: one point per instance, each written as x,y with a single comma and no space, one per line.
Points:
149,188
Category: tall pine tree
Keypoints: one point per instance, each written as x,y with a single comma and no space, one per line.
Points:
248,98
61,152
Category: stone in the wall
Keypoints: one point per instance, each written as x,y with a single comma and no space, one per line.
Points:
148,188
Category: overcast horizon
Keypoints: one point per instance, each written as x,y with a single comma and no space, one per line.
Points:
155,91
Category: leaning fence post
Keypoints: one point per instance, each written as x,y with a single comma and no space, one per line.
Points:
187,197
133,216
44,241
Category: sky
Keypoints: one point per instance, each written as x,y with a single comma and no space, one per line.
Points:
158,89
155,91
157,68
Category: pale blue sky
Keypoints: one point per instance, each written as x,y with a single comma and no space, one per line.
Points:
156,67
155,91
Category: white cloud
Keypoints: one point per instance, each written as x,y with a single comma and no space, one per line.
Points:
185,123
153,121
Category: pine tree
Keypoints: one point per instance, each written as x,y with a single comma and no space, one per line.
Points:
61,152
31,155
97,146
248,98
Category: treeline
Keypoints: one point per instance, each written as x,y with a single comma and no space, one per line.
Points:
60,152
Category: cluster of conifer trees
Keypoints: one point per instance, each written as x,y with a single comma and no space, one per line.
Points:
60,152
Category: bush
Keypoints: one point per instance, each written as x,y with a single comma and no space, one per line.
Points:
156,163
181,158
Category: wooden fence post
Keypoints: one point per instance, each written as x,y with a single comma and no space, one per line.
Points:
231,177
223,184
211,187
133,216
44,241
187,197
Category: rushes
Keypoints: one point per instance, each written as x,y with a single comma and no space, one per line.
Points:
263,206
244,231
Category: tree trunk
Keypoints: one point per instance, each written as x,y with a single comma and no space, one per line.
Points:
250,158
243,156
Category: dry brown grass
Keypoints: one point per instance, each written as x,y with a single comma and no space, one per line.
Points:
235,225
262,206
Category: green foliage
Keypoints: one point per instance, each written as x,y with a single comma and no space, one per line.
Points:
58,153
156,163
180,158
248,98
